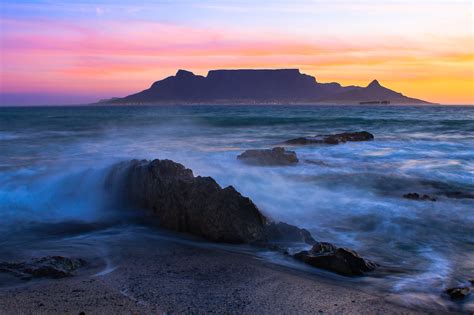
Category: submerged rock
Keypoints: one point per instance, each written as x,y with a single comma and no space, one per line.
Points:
185,203
44,267
416,196
458,293
285,232
340,260
333,139
269,157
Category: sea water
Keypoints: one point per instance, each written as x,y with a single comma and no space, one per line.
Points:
53,161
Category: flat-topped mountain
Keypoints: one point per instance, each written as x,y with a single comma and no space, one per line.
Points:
247,86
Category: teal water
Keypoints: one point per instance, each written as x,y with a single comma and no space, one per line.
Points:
53,161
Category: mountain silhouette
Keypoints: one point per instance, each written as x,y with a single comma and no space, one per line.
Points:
251,86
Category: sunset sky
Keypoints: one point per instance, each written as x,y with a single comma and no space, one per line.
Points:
81,51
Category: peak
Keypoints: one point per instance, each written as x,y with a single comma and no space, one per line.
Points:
184,74
374,83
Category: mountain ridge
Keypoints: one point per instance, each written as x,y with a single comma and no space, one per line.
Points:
258,86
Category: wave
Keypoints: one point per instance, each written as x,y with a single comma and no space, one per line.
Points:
37,196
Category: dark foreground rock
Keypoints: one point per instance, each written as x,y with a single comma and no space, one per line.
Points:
199,206
285,232
184,203
340,260
458,293
269,157
333,139
416,196
44,267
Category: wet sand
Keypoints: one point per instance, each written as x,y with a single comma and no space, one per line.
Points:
162,276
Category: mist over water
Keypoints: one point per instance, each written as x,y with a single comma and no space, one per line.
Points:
53,163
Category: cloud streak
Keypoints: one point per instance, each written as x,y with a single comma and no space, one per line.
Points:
108,56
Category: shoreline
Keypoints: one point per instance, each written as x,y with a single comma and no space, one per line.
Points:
149,274
146,274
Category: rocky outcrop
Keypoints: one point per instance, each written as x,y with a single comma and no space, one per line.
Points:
416,196
44,267
332,139
458,293
287,233
185,203
340,260
269,157
198,205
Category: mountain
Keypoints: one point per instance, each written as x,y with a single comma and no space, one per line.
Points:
372,93
247,86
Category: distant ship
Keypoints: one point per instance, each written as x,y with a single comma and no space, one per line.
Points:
375,102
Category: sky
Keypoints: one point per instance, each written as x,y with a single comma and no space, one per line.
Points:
59,52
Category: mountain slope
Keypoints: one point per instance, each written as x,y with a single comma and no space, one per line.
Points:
247,86
373,92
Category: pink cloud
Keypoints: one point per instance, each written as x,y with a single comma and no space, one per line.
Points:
118,58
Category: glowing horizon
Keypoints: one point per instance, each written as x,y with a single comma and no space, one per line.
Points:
99,49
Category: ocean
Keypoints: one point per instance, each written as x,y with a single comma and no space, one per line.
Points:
53,162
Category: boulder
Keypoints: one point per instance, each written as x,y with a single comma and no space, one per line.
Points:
340,260
44,267
269,157
280,232
416,196
185,203
458,293
332,139
199,206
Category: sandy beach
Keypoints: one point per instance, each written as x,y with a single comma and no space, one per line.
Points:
147,274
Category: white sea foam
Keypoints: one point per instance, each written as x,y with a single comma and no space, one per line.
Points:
354,198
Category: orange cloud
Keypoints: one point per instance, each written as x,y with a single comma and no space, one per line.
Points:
119,58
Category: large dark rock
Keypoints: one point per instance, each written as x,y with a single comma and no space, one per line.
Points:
458,293
198,205
416,196
269,157
184,203
285,232
44,267
340,260
333,139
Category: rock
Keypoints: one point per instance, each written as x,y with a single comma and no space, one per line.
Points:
269,157
416,196
198,205
333,139
286,232
340,260
44,267
458,293
184,203
348,136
